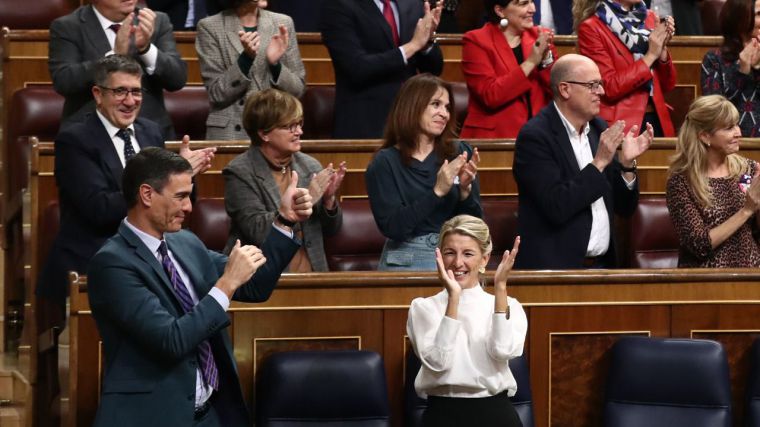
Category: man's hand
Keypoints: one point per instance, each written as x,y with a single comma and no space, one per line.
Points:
609,142
241,266
277,46
634,146
295,203
144,31
199,159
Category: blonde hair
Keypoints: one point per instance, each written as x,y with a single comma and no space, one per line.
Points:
707,114
582,10
467,225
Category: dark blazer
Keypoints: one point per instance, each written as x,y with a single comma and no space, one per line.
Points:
555,195
88,174
150,345
562,14
77,41
369,68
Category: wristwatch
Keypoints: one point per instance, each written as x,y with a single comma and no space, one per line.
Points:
631,169
284,221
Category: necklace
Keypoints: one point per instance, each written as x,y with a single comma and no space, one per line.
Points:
277,166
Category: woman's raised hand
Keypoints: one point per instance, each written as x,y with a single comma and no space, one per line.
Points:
467,175
447,173
506,264
447,276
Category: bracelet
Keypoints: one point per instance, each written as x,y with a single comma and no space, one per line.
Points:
284,221
506,312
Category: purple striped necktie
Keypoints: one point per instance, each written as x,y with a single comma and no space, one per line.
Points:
208,365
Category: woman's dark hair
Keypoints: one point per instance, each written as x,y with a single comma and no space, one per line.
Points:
737,20
404,127
489,4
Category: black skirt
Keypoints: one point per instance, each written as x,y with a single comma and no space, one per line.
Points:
494,411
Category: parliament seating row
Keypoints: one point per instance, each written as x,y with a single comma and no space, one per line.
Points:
358,244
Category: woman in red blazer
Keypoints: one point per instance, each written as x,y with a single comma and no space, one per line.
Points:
636,73
506,66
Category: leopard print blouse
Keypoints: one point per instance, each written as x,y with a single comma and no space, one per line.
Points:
693,224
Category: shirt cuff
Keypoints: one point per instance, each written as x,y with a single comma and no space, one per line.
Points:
288,233
149,59
220,297
403,55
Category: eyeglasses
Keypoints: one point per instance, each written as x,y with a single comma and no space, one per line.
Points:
293,127
120,93
593,85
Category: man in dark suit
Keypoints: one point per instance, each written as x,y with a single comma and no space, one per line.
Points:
184,14
568,177
160,300
375,45
89,160
80,38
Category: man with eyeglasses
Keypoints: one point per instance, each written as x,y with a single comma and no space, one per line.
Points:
569,176
78,40
89,160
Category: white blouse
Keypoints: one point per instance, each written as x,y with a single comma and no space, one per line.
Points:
465,357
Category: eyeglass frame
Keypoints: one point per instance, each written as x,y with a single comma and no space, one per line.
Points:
137,93
592,86
292,127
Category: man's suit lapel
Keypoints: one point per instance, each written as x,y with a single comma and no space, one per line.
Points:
105,148
263,174
375,15
150,259
184,256
561,139
93,32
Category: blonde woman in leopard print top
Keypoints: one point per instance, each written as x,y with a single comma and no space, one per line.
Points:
712,206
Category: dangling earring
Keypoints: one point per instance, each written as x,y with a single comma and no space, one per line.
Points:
482,269
503,23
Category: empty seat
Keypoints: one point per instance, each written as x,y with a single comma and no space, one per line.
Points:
501,216
32,15
209,221
414,406
318,112
188,109
327,388
461,100
657,382
654,242
358,244
752,411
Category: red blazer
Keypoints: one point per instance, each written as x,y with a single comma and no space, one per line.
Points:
498,107
626,94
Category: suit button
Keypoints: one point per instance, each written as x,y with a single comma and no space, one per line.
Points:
242,102
236,83
237,128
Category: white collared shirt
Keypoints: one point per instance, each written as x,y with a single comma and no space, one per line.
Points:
599,239
148,58
202,391
118,143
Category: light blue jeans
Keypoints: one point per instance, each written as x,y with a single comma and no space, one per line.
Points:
415,254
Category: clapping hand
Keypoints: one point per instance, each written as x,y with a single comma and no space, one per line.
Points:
250,42
634,146
199,159
447,276
277,45
446,174
467,175
506,264
331,192
609,142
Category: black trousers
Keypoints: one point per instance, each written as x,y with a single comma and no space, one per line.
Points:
494,411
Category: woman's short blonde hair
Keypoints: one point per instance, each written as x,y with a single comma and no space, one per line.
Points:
269,109
467,225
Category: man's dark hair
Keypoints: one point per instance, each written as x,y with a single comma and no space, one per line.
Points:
115,63
152,166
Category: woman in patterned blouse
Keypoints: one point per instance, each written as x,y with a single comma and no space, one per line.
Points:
711,202
733,70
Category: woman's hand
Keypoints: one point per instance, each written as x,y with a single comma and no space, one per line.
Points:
277,46
752,199
447,173
505,266
467,175
319,183
250,42
657,39
447,276
333,185
749,56
540,47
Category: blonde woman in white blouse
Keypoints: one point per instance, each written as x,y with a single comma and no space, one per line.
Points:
465,336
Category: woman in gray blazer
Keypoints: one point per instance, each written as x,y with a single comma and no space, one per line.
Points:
255,180
242,50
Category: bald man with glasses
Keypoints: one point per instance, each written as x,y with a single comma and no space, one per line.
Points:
570,176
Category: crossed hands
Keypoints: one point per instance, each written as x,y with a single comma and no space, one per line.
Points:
326,183
199,159
242,264
295,203
142,32
461,168
632,146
